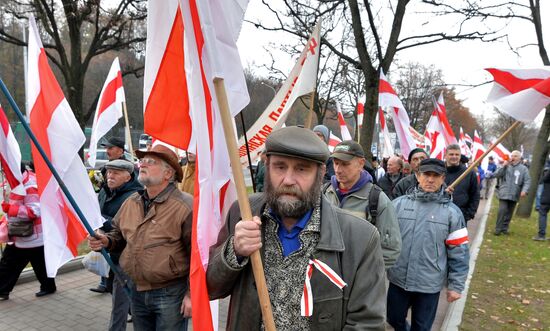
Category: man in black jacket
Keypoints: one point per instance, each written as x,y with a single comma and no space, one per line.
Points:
466,193
392,176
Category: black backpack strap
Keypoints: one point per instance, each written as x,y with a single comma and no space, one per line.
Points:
372,208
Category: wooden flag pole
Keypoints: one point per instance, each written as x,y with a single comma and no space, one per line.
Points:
476,162
311,105
130,146
244,203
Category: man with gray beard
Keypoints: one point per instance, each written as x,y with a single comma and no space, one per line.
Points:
324,268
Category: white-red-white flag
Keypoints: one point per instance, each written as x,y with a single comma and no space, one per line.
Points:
436,137
333,140
478,149
109,108
10,156
197,38
387,98
387,148
344,131
442,114
499,152
464,148
54,125
360,114
520,93
301,81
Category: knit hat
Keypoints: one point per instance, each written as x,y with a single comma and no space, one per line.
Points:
322,130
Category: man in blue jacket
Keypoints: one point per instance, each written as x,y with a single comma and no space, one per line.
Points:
434,251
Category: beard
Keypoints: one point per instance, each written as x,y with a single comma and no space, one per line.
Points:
149,181
293,208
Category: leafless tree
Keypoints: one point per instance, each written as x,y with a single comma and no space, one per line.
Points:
75,32
373,43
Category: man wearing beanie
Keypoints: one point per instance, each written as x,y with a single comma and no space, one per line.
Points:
434,251
303,240
324,134
409,182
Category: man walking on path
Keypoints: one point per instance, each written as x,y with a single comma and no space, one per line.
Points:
513,184
152,229
466,193
434,251
351,189
323,266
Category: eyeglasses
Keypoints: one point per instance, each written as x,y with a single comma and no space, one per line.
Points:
148,161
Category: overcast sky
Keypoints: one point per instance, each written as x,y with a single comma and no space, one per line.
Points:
461,63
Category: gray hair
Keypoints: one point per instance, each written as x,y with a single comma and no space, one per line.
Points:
166,166
454,147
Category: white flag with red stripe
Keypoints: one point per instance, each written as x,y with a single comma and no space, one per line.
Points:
360,114
387,148
500,152
208,42
478,149
109,108
520,93
54,125
436,137
464,148
333,140
10,156
442,114
344,131
387,98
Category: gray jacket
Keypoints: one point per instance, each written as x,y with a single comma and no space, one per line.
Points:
428,261
357,203
512,180
348,245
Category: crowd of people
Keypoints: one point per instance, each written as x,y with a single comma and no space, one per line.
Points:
346,242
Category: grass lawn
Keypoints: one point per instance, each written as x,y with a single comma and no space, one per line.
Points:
510,288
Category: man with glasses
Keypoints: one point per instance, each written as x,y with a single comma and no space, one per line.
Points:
152,229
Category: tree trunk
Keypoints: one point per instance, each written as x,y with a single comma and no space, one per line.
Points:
371,110
540,155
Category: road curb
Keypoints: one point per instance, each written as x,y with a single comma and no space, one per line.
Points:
75,264
453,317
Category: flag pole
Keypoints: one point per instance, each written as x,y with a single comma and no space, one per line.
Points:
248,154
311,105
128,134
60,182
476,162
244,203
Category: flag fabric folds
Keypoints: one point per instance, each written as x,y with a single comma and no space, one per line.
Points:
387,150
54,125
109,108
520,93
196,39
442,114
477,149
344,131
301,81
333,140
360,114
387,98
499,152
10,156
464,148
436,137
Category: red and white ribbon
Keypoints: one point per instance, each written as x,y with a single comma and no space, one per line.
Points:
306,304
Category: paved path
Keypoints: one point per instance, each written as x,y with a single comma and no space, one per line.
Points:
74,307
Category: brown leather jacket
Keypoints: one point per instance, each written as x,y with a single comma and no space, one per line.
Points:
155,247
348,245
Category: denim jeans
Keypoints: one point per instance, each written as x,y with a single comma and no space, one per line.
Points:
121,303
543,216
159,309
423,308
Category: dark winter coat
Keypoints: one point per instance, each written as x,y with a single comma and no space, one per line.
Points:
387,185
466,193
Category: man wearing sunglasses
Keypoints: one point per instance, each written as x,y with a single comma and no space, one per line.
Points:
153,231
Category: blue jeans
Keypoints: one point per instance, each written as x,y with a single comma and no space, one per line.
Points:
423,308
543,216
540,187
159,309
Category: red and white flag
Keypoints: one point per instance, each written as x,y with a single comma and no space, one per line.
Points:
500,152
436,137
387,148
344,131
387,98
10,156
108,110
520,93
478,149
208,42
442,114
55,127
333,140
464,148
301,81
360,114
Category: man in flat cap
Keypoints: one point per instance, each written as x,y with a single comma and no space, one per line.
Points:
434,251
152,229
114,147
324,268
352,189
410,182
